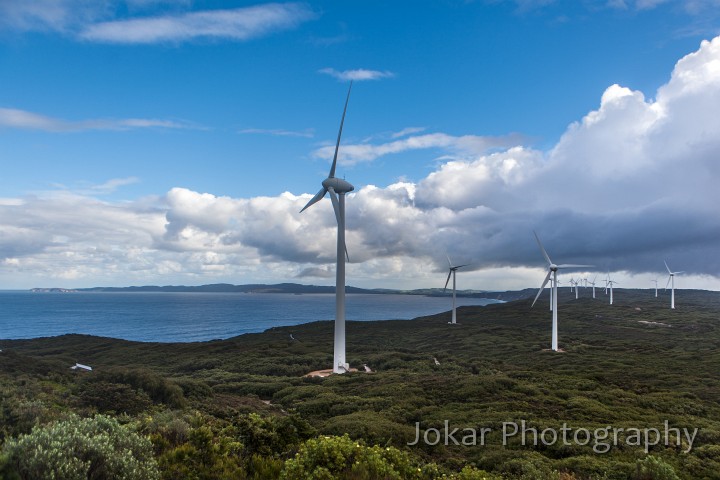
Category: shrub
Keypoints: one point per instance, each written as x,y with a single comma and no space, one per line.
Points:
159,389
98,448
109,397
654,468
206,455
268,436
343,458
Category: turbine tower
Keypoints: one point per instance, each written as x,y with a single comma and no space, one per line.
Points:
551,289
671,279
452,272
337,188
655,287
552,273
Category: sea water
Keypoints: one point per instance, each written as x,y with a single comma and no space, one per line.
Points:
195,316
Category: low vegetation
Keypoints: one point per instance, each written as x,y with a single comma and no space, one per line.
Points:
242,408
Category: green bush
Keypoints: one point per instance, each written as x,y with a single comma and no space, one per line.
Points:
654,468
206,455
342,458
109,397
159,389
268,436
91,448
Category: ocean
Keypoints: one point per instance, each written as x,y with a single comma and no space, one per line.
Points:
194,317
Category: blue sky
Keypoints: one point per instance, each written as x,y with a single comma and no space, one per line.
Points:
150,141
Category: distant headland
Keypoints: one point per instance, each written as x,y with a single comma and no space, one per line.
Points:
293,288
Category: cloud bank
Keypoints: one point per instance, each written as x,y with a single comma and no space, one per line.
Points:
630,184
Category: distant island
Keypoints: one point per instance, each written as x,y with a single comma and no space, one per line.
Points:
294,288
53,290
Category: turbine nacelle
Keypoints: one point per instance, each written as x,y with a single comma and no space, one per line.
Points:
338,184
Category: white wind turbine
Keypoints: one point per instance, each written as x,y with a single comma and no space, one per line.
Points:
452,272
552,273
577,283
671,279
593,285
655,287
610,282
337,188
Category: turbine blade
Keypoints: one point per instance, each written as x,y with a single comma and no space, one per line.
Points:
460,266
678,272
449,262
447,281
336,204
337,145
547,279
666,266
570,265
318,196
547,257
347,255
668,283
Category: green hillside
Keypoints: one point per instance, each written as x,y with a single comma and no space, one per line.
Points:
633,365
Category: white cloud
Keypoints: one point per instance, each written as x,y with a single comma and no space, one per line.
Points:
97,20
22,119
464,145
51,15
408,131
357,75
308,133
235,24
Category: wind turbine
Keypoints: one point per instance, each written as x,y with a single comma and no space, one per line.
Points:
609,282
593,285
552,272
655,287
337,188
671,279
452,272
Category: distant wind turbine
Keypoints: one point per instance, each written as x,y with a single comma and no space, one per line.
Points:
671,279
577,283
655,287
337,188
610,282
593,285
452,272
552,273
